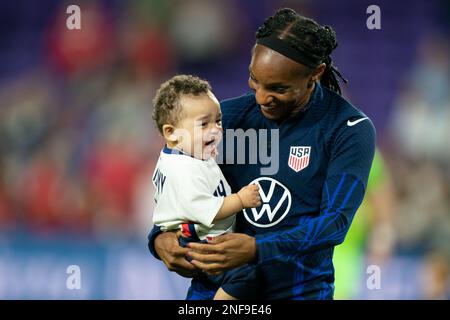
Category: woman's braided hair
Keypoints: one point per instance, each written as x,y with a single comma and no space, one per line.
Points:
306,35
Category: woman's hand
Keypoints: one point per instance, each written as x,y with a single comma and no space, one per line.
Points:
173,255
223,253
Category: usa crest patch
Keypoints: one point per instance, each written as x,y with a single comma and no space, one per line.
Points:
299,157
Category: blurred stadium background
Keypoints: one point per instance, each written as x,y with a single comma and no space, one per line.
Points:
77,143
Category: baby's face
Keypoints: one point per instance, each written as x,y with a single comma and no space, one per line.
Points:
200,130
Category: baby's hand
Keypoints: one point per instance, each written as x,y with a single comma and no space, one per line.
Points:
250,196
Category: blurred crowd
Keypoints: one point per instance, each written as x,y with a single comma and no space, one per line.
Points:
78,146
419,164
76,134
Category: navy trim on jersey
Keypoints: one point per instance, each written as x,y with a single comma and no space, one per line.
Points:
168,150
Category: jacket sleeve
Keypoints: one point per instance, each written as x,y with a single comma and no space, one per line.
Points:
351,155
151,240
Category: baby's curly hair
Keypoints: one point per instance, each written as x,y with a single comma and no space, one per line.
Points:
167,107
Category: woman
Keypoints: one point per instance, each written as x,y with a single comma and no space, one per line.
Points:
326,148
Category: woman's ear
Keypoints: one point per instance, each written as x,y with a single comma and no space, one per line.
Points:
169,133
317,73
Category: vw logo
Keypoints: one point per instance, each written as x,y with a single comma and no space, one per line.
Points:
276,202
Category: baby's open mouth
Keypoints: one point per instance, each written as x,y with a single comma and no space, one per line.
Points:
210,147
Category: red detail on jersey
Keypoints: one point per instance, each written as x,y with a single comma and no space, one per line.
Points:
185,230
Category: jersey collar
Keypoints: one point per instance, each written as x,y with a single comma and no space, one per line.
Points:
168,150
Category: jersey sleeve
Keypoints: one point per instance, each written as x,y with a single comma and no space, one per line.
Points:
351,155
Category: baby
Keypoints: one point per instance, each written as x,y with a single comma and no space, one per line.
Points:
192,195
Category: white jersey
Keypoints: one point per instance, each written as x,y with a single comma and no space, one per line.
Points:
189,190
